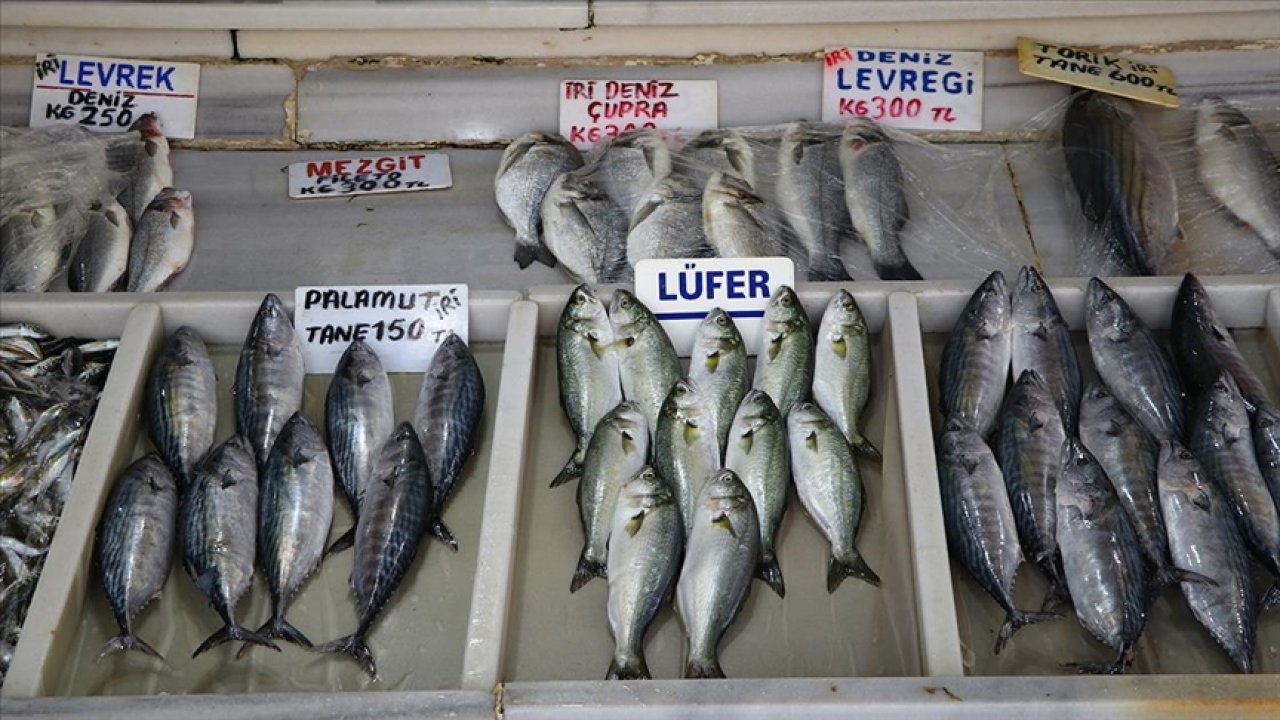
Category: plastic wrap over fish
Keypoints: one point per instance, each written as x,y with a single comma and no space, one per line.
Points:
859,201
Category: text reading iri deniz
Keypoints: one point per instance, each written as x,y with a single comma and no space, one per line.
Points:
910,89
109,94
595,110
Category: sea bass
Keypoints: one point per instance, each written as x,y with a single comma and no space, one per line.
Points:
35,247
811,196
875,195
163,240
152,170
738,222
102,258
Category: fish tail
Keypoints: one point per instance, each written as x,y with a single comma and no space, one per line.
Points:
278,627
1116,667
572,471
127,641
1272,598
630,666
830,271
855,566
353,646
899,268
703,668
232,632
863,447
769,572
587,569
1170,575
441,532
529,251
344,541
1016,620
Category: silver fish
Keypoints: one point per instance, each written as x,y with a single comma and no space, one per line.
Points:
1133,365
134,548
784,364
737,221
1100,557
1030,455
587,367
295,510
526,171
34,249
1266,444
875,194
757,453
395,513
1203,346
718,365
842,369
667,223
1125,187
1042,342
1203,538
152,170
720,150
631,164
585,230
217,516
981,530
975,362
359,417
163,240
102,258
646,537
647,362
618,450
182,403
686,445
1238,168
447,417
811,196
722,553
269,377
830,489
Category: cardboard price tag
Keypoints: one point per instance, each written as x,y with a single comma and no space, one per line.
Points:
1113,74
908,89
404,324
109,94
596,110
391,173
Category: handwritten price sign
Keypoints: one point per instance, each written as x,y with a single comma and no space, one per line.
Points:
1112,74
109,94
909,89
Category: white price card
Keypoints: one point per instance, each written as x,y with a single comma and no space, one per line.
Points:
404,324
681,293
390,173
596,110
109,94
908,89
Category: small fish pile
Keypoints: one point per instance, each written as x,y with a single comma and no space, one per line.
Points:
683,479
122,226
49,389
1161,472
263,499
640,198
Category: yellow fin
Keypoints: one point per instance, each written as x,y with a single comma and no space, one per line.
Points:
811,440
722,520
633,525
628,442
691,433
840,347
775,345
713,361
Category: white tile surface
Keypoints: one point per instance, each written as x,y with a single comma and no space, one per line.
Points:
18,41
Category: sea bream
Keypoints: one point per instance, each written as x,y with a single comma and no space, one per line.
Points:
667,222
738,222
618,450
584,229
269,377
1238,168
587,369
1042,342
719,150
975,361
876,197
359,417
842,369
631,164
164,237
528,167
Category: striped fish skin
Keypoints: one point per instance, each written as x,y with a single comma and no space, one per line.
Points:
1266,445
359,417
1042,342
618,450
784,364
758,454
218,520
646,538
395,514
686,445
269,377
647,362
1239,169
1203,346
1222,442
1101,559
587,368
1134,366
447,417
295,510
975,361
134,548
723,549
811,196
718,365
981,531
842,369
1203,539
875,195
182,403
1030,455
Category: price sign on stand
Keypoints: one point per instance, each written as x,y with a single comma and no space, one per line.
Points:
909,89
1112,74
390,173
109,94
681,293
404,324
596,110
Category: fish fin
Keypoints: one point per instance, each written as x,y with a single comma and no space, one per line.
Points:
840,347
353,647
525,254
127,641
228,633
635,523
572,470
703,668
1116,667
811,440
898,269
174,220
970,464
771,574
628,668
206,582
737,160
1271,599
712,363
278,627
691,432
228,479
344,541
587,569
628,442
722,520
1170,575
1015,620
837,571
775,345
442,533
863,447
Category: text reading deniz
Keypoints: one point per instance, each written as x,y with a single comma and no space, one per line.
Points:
109,94
915,89
595,110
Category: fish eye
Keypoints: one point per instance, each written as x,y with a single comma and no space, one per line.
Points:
1185,455
722,320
